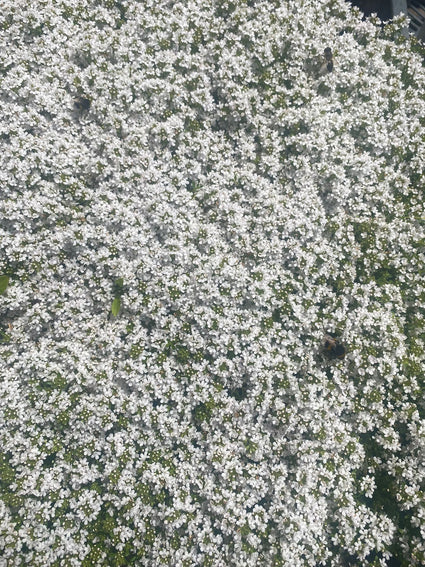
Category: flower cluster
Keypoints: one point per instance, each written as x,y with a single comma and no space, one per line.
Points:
191,199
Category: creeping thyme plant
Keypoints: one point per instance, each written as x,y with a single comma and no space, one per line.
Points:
188,204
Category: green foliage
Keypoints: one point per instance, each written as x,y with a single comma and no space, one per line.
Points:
57,382
118,291
7,473
118,287
103,541
364,233
412,368
250,446
136,350
203,412
4,282
385,275
4,337
115,307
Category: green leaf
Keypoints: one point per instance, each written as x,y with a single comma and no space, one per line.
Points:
118,287
115,307
4,282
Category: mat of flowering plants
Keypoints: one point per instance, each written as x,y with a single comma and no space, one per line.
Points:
212,261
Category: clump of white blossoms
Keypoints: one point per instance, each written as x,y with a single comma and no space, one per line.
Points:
190,200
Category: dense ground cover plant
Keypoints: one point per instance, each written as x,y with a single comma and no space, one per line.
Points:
187,205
